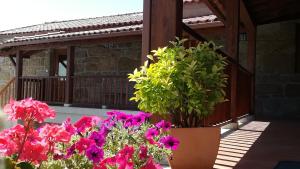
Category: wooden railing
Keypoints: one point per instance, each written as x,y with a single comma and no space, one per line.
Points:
49,89
111,92
88,91
222,111
7,92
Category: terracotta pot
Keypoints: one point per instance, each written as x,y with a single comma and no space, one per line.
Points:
198,148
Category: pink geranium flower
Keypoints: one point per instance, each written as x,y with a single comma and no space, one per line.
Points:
68,126
143,154
55,133
35,152
84,123
29,110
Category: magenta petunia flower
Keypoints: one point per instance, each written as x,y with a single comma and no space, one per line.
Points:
140,118
151,132
151,164
165,125
129,122
70,151
98,138
121,116
94,153
170,142
104,130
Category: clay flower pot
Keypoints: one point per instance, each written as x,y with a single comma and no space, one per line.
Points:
198,148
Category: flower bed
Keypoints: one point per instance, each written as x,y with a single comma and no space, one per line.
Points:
121,141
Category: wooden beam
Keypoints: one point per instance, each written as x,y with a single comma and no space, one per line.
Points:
70,75
11,58
64,43
52,62
245,17
19,73
251,66
232,47
77,39
162,23
212,5
146,34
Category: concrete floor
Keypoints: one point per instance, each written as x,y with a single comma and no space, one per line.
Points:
260,145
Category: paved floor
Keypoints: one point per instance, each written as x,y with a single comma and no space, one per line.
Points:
260,145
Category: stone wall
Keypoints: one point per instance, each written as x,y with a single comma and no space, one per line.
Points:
7,70
116,58
277,84
107,58
37,64
278,96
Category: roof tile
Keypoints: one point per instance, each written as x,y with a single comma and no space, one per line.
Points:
129,28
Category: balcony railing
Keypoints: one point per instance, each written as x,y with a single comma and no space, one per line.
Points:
89,91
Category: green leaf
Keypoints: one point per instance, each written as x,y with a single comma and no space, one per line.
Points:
25,165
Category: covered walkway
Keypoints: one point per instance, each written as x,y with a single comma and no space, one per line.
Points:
260,145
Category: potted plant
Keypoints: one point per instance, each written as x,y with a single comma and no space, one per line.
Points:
184,84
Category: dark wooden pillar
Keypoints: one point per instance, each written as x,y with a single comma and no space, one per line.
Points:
19,74
251,65
162,22
70,74
52,62
232,8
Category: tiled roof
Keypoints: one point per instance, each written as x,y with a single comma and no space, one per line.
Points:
88,33
88,23
59,35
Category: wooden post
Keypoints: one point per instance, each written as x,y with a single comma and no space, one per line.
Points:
232,8
251,65
162,22
52,62
70,74
19,73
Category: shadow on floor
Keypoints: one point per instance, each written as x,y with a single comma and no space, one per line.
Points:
260,145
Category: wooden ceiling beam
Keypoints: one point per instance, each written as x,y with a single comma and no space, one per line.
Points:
216,7
245,17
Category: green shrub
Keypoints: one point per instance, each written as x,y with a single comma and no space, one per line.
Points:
184,83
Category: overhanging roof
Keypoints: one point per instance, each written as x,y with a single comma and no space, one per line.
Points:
270,11
126,30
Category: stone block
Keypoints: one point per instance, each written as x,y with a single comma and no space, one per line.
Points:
292,90
269,90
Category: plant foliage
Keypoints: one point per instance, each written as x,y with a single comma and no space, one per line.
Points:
185,83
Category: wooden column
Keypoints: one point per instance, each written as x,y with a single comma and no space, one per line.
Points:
232,8
52,62
70,74
162,20
19,73
251,65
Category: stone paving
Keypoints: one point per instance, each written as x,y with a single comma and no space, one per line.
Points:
260,145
